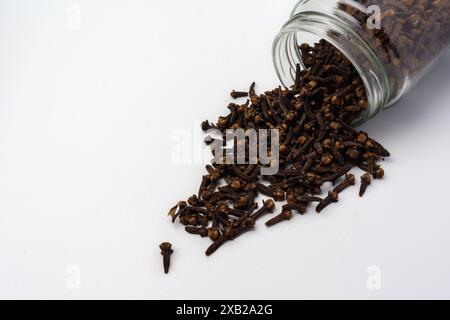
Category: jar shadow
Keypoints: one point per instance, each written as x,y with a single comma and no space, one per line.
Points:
417,109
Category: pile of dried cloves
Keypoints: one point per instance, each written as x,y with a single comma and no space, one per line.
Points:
318,148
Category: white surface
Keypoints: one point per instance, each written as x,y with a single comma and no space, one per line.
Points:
86,177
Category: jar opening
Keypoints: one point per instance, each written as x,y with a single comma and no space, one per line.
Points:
310,27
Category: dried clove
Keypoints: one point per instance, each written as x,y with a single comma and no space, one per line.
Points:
366,180
283,216
166,251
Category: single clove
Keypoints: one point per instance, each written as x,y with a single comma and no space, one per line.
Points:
332,197
366,180
166,251
283,216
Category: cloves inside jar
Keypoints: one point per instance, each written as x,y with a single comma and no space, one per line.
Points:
391,43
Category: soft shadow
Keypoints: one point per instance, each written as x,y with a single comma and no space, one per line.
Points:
416,108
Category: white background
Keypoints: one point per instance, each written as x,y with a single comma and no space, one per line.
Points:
87,120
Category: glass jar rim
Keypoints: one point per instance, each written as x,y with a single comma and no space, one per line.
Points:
317,24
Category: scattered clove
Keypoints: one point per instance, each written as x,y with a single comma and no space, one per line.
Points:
166,251
283,216
366,180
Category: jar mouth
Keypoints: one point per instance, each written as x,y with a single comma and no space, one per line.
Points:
304,25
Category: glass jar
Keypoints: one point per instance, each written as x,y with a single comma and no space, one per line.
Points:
391,43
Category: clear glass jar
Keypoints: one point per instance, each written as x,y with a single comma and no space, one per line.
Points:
391,50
